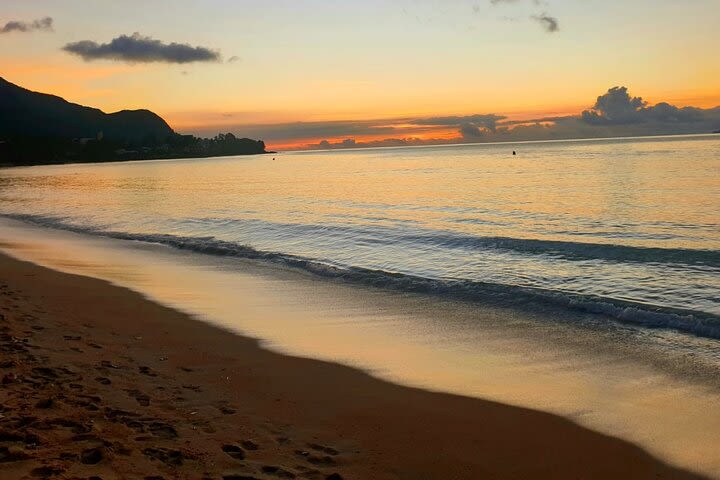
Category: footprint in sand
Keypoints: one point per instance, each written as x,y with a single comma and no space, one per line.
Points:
91,456
324,449
277,471
46,471
162,430
249,445
147,371
12,454
168,456
234,451
140,397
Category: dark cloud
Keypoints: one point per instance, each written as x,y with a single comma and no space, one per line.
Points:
138,48
470,131
471,127
42,24
488,121
618,107
308,130
614,114
550,24
234,59
386,142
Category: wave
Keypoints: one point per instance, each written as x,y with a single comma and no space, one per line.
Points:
579,250
556,248
697,323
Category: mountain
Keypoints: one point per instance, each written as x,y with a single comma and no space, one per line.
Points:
27,113
37,128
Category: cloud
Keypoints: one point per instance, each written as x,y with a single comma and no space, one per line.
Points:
138,48
42,24
234,59
386,142
470,131
617,107
616,113
550,24
306,130
470,127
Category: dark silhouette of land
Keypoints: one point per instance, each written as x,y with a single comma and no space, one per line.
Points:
37,128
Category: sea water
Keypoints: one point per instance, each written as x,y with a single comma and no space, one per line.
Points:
577,277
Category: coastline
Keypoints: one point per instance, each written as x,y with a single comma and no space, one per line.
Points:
138,159
146,390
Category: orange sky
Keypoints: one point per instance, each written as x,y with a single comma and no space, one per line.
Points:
322,61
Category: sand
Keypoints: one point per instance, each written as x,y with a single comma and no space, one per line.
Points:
98,382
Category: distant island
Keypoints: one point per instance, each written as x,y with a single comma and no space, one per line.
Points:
37,128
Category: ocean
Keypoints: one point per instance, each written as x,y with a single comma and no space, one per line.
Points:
627,227
580,277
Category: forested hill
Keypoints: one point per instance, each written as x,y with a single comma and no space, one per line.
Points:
37,128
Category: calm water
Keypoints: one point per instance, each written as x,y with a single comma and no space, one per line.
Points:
569,253
629,228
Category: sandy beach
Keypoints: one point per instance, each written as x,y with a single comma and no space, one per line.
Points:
99,382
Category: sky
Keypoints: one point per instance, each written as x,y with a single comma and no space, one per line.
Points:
336,74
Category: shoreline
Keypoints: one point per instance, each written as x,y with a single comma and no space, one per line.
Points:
131,160
147,390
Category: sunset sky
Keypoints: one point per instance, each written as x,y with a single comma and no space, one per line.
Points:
416,71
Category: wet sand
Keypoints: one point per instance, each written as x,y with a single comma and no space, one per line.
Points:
99,382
